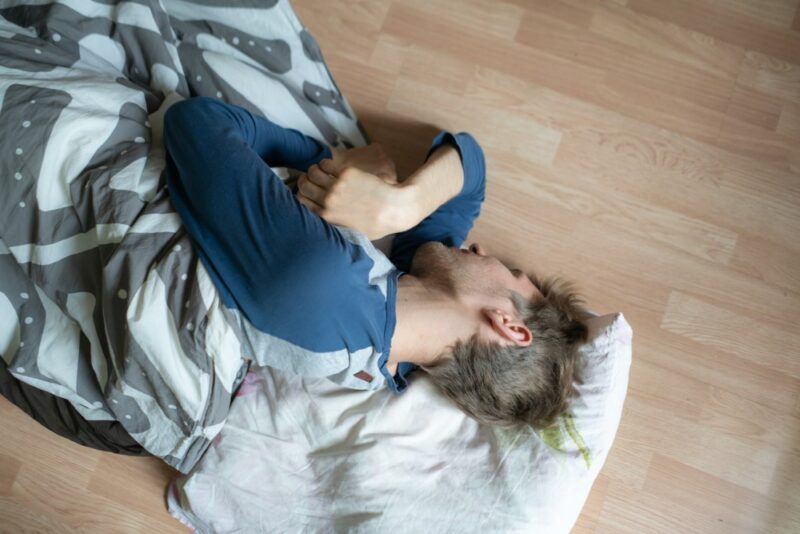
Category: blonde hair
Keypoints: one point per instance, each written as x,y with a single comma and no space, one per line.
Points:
508,385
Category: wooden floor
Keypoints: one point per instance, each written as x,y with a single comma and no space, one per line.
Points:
648,150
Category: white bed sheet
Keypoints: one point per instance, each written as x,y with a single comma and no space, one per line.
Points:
302,454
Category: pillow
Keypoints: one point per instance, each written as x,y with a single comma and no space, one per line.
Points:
299,453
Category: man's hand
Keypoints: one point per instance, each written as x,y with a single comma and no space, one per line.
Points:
358,189
371,158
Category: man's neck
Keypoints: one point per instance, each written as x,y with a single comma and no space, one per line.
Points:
428,322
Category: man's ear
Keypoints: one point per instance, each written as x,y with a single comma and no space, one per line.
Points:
508,327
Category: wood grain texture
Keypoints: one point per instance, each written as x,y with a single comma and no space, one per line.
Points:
647,149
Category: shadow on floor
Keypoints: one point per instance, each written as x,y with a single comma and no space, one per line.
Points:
406,141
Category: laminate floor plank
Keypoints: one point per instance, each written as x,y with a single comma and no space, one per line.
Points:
648,150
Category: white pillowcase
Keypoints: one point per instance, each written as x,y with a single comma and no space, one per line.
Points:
304,454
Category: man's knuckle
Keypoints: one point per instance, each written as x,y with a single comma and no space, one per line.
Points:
333,196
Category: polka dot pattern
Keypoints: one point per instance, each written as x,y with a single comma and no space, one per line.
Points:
37,112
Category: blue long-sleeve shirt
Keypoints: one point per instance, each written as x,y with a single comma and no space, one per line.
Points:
315,298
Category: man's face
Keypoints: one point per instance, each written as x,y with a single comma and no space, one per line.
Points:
468,272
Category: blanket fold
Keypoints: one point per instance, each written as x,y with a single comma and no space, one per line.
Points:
103,301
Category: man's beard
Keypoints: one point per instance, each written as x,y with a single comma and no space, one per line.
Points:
432,263
437,266
448,270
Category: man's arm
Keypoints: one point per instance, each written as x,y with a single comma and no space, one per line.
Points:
244,220
368,196
448,191
436,182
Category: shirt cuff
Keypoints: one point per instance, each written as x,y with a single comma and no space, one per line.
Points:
399,381
325,152
472,159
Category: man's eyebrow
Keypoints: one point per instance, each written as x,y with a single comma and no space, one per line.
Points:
532,280
516,272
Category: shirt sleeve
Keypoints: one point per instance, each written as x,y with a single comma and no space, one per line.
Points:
453,220
245,221
399,382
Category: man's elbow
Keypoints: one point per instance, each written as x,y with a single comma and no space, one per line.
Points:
174,118
190,121
190,110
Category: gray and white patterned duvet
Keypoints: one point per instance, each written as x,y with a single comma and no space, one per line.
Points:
102,298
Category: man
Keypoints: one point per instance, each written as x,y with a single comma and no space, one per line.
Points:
302,271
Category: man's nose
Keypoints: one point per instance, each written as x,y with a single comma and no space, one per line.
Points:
477,249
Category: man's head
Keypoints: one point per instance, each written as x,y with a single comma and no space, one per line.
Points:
519,365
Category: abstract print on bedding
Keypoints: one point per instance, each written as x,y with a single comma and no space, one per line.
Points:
102,298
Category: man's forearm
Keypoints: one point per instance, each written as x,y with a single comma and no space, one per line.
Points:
437,181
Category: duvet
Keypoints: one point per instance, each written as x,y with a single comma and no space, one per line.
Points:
103,301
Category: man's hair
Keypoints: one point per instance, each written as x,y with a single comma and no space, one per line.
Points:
508,385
